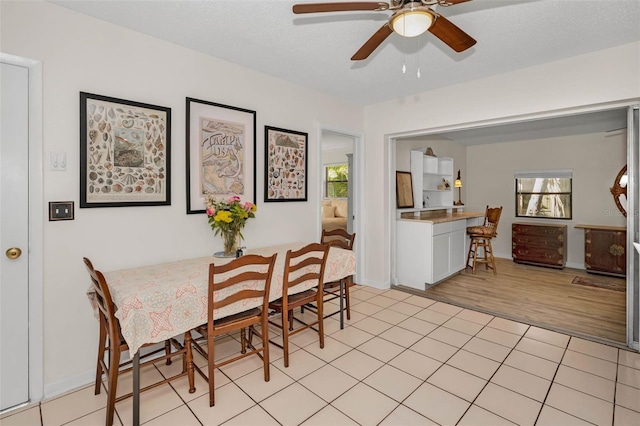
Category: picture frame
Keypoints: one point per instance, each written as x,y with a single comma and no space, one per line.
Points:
221,153
285,165
125,153
404,190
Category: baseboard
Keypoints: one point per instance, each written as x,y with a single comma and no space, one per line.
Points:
378,285
55,389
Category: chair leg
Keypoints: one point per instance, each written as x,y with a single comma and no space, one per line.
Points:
469,252
167,351
320,303
475,255
114,364
211,368
243,340
346,294
265,348
285,336
101,348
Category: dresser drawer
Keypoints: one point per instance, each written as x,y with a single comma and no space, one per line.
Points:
538,254
539,230
536,241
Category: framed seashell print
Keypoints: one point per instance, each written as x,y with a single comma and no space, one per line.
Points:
221,153
125,157
285,165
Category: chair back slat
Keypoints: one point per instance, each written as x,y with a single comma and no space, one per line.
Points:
234,283
339,238
306,264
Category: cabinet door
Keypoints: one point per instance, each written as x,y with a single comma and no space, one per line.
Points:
458,252
605,251
441,256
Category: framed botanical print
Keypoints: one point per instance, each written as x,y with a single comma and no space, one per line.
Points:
125,153
221,153
285,165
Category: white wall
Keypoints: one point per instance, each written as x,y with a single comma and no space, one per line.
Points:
80,53
605,76
595,160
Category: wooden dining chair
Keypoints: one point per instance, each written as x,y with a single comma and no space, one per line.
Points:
240,281
481,237
301,284
342,239
112,343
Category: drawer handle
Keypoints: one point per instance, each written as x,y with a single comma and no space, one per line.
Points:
616,250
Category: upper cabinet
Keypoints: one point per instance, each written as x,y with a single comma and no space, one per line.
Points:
432,179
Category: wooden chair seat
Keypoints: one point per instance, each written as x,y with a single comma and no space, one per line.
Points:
240,316
295,300
480,231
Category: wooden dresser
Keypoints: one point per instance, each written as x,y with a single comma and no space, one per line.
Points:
605,249
538,244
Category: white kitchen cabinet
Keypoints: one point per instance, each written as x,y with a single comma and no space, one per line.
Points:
428,253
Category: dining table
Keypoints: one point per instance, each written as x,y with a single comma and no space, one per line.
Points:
162,301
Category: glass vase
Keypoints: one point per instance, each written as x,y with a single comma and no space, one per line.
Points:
230,240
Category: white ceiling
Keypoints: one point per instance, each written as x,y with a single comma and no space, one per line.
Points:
314,50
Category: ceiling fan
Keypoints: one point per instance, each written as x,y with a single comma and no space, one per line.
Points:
410,18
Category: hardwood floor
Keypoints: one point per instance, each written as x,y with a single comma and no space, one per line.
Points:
539,296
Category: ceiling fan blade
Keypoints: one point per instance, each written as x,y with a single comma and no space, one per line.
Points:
338,7
372,44
450,34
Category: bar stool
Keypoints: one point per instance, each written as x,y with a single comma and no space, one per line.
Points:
481,237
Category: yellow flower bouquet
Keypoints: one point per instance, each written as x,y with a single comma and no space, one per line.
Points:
228,217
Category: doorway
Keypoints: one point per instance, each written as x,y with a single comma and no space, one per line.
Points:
609,122
21,233
341,172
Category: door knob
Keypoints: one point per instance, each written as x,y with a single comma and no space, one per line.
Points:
14,253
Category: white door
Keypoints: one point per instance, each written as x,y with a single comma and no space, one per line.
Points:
14,236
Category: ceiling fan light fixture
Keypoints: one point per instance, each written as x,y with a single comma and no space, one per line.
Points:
412,22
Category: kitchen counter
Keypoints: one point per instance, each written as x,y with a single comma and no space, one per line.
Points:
431,246
435,217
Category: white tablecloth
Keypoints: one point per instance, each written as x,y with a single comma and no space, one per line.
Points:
157,302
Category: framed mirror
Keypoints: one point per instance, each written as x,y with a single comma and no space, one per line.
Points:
619,190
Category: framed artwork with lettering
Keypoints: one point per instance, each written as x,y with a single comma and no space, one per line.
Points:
221,153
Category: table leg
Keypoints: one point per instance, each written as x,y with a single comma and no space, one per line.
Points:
136,389
341,304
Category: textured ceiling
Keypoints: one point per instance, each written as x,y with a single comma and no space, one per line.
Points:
315,50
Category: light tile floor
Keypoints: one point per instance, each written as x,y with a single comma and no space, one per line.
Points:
401,360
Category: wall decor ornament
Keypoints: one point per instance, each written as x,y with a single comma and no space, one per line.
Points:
221,153
125,157
285,165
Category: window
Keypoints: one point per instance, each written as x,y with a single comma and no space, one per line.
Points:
544,194
336,181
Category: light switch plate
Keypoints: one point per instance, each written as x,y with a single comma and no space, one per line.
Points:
58,161
60,210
